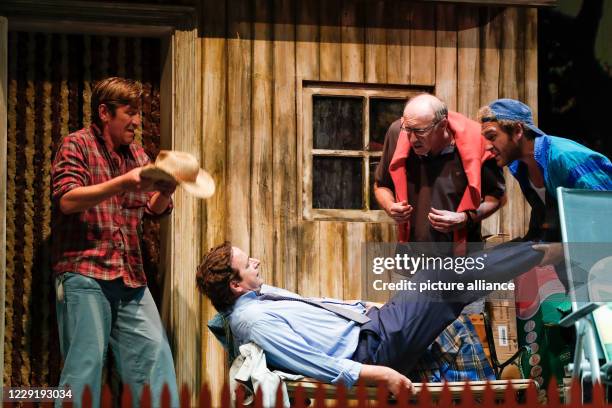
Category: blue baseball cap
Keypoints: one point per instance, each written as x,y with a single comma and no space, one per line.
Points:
511,109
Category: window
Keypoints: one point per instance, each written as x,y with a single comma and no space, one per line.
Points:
343,132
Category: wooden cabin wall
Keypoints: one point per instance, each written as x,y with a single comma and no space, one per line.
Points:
256,53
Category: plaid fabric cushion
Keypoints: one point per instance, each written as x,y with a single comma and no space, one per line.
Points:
456,355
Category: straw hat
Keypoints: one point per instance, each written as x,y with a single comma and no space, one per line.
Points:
181,168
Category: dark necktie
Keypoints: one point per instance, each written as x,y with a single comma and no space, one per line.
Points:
339,310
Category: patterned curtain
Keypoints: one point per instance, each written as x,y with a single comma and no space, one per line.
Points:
50,82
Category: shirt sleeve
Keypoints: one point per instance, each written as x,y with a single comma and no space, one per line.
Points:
492,178
70,169
587,170
382,175
287,350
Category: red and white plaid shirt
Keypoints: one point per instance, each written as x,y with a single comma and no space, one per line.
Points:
102,242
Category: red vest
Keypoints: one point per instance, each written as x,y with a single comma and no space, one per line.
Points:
471,147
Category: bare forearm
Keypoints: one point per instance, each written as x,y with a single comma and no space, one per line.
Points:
384,196
374,373
487,208
159,202
394,381
83,198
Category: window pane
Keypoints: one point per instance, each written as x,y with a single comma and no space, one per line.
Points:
337,123
383,112
373,164
337,182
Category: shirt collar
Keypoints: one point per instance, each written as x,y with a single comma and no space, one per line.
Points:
245,299
447,150
125,149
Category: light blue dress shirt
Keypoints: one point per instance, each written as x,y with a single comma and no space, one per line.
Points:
299,337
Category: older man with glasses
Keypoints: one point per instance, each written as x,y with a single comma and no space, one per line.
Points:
437,181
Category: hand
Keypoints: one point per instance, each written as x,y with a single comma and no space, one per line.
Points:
553,253
131,181
400,211
446,221
395,382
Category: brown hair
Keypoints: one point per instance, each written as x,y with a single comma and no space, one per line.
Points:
485,114
215,274
114,92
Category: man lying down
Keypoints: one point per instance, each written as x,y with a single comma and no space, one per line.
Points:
335,341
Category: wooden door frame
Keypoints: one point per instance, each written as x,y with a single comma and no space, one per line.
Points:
180,101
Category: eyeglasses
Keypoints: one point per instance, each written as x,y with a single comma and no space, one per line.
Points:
420,132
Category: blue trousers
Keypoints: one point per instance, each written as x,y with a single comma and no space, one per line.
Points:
94,314
401,330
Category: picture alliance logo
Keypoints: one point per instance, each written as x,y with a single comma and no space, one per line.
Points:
403,263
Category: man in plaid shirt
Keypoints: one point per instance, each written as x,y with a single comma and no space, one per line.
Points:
99,200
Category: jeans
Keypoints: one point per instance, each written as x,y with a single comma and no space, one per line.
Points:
92,314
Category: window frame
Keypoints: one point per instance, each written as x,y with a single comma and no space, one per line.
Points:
307,152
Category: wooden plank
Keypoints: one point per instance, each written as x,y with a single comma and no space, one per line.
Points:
468,70
3,174
186,228
490,55
398,41
239,125
330,48
262,218
354,239
353,52
374,235
84,16
422,45
511,86
446,55
307,41
214,109
284,154
531,60
490,42
344,153
511,77
378,232
531,73
331,262
307,67
330,233
324,214
375,43
213,360
309,267
515,3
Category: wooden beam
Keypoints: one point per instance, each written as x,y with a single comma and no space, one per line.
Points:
185,228
213,360
3,123
78,16
513,3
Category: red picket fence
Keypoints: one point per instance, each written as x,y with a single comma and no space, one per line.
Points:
361,397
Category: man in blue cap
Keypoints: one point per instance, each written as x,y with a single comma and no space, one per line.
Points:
540,163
